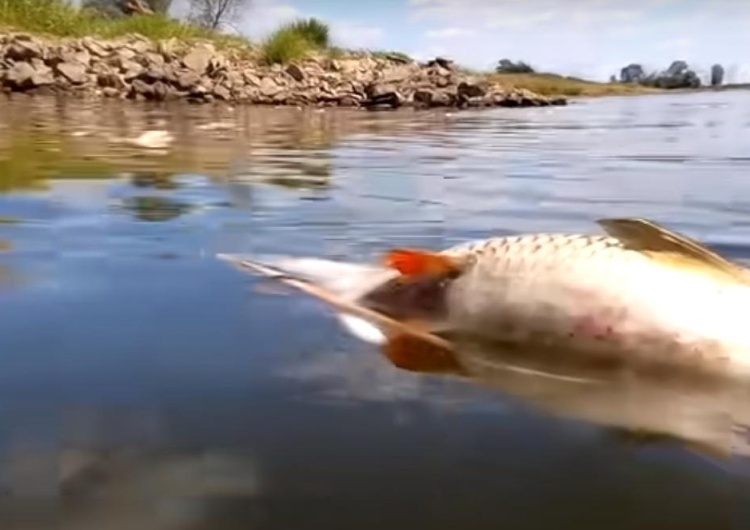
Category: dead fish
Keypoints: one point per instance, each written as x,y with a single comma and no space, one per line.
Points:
639,291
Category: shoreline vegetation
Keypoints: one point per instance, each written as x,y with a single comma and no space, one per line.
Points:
52,47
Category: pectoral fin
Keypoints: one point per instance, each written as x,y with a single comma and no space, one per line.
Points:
666,246
416,355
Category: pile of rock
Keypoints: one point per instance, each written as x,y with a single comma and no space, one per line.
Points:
138,68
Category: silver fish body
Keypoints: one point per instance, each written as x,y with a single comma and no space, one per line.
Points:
591,292
639,292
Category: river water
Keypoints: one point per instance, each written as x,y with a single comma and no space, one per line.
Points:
146,384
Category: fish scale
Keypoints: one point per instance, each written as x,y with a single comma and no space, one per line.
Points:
591,292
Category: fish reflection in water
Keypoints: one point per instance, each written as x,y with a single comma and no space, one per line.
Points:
639,398
643,404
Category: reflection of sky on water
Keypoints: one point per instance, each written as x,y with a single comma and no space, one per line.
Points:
129,334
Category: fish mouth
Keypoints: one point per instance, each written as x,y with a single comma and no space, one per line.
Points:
376,288
345,287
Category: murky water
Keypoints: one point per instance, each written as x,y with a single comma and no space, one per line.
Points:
144,384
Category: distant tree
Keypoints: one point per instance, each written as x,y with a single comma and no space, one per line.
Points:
717,75
678,75
213,14
632,73
506,66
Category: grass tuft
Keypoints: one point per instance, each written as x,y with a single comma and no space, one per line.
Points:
312,30
61,18
295,40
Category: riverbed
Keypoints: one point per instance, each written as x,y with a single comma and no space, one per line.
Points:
146,384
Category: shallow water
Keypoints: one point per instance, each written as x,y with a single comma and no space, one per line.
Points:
145,384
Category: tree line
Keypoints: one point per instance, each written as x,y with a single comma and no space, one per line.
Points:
678,75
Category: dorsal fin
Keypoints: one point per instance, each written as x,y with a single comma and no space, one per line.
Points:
662,244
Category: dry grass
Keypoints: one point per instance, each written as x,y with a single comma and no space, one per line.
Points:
60,18
557,85
295,40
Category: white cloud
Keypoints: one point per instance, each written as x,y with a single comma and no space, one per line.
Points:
522,14
677,44
264,16
353,35
429,53
449,33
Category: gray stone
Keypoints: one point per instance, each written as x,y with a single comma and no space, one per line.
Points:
131,70
198,59
20,76
43,75
187,79
222,92
295,72
268,87
470,90
22,50
73,72
95,47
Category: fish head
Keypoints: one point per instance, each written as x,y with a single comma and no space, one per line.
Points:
367,297
423,299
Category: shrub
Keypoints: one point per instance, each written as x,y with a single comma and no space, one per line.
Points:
506,66
295,40
313,30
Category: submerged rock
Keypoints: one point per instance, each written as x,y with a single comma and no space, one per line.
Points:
137,68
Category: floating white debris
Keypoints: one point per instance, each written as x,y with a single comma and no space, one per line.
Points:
217,125
153,140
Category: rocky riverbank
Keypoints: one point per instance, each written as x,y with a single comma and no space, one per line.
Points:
137,68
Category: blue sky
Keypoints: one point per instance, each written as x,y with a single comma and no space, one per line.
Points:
588,38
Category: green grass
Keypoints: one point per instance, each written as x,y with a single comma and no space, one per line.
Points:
61,19
295,40
558,85
313,31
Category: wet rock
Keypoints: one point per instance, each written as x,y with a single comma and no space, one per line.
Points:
153,59
75,73
296,73
441,62
268,87
19,77
187,79
24,50
161,91
132,71
222,92
141,88
381,96
43,74
153,73
470,89
94,47
199,59
397,75
111,92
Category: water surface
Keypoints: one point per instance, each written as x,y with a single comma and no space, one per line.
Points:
145,384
